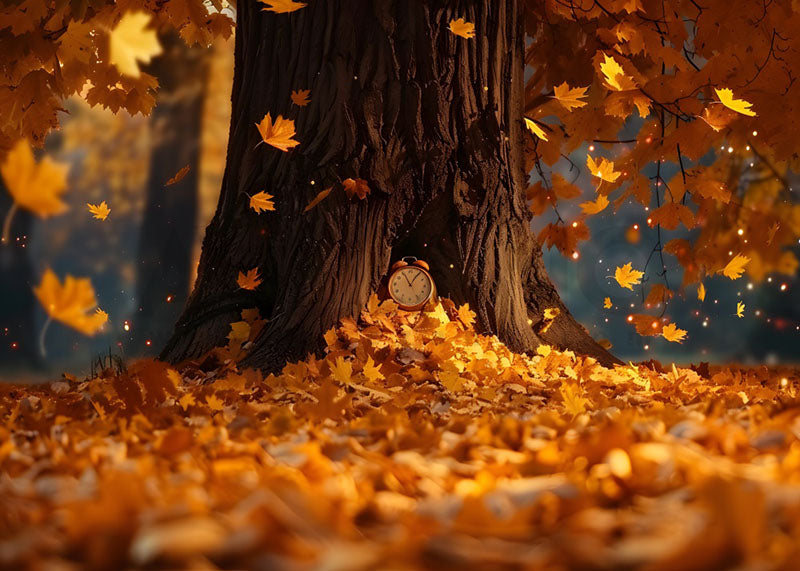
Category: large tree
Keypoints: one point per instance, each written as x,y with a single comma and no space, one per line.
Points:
435,124
432,122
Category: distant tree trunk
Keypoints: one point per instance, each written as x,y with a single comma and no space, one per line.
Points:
167,233
17,329
431,120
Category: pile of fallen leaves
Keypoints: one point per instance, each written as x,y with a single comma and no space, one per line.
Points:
413,442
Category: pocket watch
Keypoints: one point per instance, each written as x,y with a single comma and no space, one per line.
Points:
410,284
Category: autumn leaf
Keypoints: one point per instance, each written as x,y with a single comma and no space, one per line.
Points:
615,76
300,97
740,309
602,169
739,105
570,97
72,303
317,199
462,28
262,201
34,186
670,332
735,267
131,43
278,134
701,292
594,207
343,371
356,187
627,277
178,175
607,303
371,371
251,280
574,402
466,315
281,6
534,128
99,211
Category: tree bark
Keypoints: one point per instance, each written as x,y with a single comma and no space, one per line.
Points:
431,120
167,232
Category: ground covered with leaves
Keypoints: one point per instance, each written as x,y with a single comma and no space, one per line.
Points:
414,442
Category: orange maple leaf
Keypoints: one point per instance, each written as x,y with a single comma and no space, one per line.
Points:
300,97
461,27
251,280
70,302
627,277
99,211
281,6
278,134
670,332
262,201
178,175
356,187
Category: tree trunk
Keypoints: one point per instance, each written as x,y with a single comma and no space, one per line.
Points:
167,233
432,121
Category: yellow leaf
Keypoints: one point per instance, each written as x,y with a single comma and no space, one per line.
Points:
595,207
574,403
130,43
214,402
534,128
604,169
281,6
670,332
735,268
35,187
356,187
343,371
607,303
570,97
462,28
615,76
187,400
319,198
261,201
738,105
71,302
240,332
251,280
178,176
300,97
371,371
627,277
278,134
466,315
99,211
701,292
740,309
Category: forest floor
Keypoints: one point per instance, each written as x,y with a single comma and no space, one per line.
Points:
414,442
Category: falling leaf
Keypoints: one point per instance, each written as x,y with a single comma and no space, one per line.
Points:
72,303
462,28
278,134
670,332
99,211
262,201
738,105
740,309
130,43
34,186
735,268
251,280
615,76
534,128
604,169
607,303
701,292
281,6
356,187
317,199
570,97
590,208
178,175
300,97
627,277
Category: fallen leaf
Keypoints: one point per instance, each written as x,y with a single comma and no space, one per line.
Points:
356,187
99,211
300,97
317,199
262,201
462,28
251,280
627,277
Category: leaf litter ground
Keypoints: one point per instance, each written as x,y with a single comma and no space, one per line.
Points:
415,442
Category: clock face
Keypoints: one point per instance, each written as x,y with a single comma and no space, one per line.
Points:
410,286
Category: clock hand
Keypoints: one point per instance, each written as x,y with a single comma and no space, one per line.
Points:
406,278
